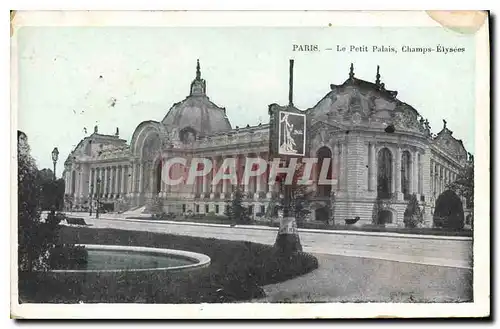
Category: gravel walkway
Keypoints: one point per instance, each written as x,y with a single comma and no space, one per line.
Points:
354,279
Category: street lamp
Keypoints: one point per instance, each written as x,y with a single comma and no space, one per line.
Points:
98,187
55,156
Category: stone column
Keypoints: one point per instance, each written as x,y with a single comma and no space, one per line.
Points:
436,180
447,178
117,181
80,182
415,173
105,181
440,179
243,168
431,181
399,193
91,171
335,164
270,186
163,185
342,169
224,194
131,182
264,176
213,172
113,181
110,182
96,175
205,181
371,167
258,182
152,185
140,188
122,185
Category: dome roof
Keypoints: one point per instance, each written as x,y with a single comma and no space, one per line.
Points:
197,111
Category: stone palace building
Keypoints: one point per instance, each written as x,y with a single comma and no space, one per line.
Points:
381,150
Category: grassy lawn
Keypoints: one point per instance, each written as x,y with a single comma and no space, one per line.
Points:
238,270
320,226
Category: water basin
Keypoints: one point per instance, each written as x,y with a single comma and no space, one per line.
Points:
110,258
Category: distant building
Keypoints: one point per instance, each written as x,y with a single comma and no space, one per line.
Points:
381,149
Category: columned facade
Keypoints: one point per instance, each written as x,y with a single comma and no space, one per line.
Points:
378,150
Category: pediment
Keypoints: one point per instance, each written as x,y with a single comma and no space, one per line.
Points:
445,141
353,105
321,132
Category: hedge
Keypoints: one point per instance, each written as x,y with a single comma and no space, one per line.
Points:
236,272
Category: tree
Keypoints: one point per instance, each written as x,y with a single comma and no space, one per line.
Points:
236,211
449,211
52,191
463,186
157,207
300,202
413,215
35,236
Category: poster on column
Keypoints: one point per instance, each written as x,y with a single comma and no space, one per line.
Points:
299,86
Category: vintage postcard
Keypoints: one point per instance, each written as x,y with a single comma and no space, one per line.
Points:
180,165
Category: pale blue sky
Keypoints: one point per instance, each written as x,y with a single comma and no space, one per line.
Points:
148,69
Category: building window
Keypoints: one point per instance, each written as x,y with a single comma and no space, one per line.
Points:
216,208
384,179
197,207
183,208
158,177
206,208
322,154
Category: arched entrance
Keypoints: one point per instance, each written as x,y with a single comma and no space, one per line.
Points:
384,217
321,214
384,179
324,152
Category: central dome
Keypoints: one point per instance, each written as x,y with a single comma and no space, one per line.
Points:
197,112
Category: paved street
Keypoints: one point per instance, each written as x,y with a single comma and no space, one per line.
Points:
439,251
354,279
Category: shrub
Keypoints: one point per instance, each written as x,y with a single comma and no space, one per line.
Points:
236,211
412,215
449,211
157,206
236,272
65,257
35,236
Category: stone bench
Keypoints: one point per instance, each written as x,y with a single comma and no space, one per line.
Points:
76,221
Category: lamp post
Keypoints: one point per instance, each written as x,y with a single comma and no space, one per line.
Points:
55,156
98,187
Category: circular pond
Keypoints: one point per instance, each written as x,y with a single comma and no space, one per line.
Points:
109,258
